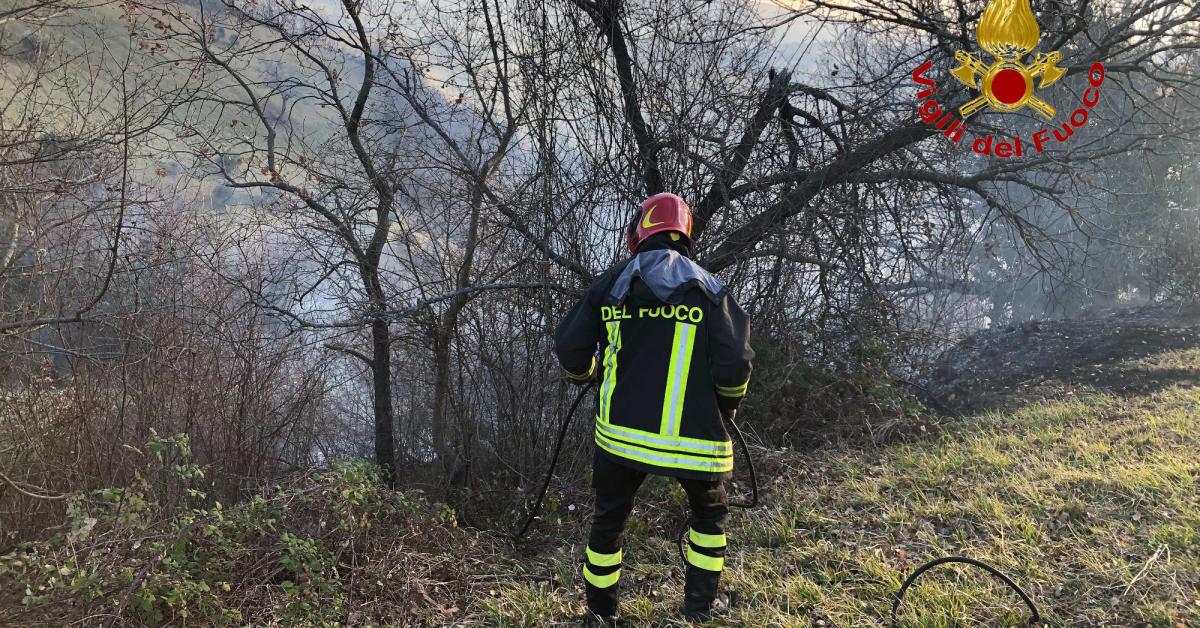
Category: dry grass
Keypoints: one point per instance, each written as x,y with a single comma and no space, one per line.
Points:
1089,501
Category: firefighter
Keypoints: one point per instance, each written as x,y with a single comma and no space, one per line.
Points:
675,361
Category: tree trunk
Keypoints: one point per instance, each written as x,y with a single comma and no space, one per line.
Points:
442,336
452,454
381,379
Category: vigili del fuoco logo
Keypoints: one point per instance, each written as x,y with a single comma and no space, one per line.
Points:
1007,32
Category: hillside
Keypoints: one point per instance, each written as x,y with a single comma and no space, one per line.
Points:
282,284
1113,351
1089,500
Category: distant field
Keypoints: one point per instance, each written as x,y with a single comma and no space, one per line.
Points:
82,56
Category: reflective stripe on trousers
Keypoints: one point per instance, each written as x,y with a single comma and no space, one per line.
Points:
602,570
706,551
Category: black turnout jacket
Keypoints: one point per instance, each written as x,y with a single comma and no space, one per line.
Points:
675,355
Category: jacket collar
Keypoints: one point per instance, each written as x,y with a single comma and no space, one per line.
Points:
663,241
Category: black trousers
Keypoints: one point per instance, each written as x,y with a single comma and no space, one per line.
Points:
615,486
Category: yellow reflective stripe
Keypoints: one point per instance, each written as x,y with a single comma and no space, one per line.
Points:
671,460
610,369
711,563
707,540
674,443
591,369
603,560
602,582
733,391
677,378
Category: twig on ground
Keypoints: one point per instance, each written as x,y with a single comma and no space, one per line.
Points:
1146,567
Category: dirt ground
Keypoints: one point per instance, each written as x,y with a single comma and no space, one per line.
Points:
1111,351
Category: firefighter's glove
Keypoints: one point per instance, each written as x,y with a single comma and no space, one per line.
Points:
592,377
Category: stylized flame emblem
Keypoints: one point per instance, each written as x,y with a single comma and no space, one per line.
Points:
1008,31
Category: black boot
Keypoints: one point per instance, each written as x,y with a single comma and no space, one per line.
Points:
600,621
699,591
602,603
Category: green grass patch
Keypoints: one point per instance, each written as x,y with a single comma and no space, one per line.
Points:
1090,502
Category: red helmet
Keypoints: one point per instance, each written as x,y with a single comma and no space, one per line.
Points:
661,212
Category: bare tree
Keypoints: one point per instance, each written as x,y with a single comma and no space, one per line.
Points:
66,156
325,67
399,196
